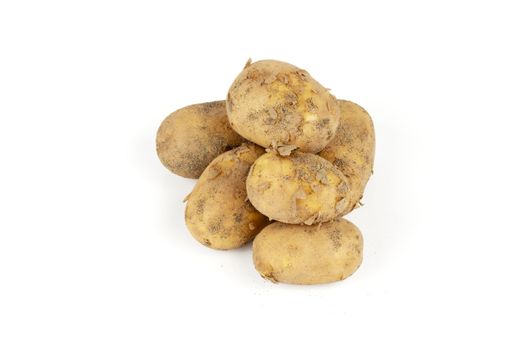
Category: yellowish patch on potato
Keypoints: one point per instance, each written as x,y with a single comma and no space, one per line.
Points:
308,117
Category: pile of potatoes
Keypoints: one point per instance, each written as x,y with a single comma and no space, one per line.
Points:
279,162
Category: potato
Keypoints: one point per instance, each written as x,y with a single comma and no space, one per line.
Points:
352,150
301,254
190,138
218,213
301,188
273,103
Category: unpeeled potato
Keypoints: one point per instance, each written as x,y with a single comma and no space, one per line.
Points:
191,137
274,103
352,149
218,213
299,188
301,254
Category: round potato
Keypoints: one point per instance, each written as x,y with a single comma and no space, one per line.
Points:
218,213
190,138
352,149
301,254
274,103
301,188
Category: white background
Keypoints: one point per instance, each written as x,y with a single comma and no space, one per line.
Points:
94,253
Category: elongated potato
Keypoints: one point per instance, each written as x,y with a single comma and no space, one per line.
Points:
218,213
190,138
352,149
274,103
301,254
301,188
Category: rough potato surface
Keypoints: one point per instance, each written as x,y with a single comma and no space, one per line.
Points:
300,188
274,103
301,254
191,137
218,213
352,149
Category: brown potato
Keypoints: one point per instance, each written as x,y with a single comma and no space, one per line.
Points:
352,149
301,188
301,254
218,213
190,138
274,103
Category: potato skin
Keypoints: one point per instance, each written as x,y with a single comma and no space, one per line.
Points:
352,149
299,254
301,188
191,137
274,103
217,212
